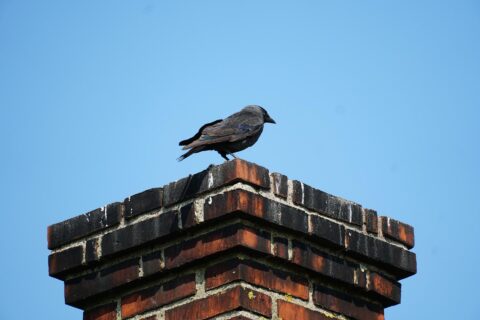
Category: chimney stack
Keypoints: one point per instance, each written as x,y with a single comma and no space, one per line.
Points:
232,242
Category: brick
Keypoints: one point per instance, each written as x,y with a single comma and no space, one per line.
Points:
152,263
155,297
216,242
327,204
105,312
91,252
280,247
322,263
280,185
79,289
398,231
150,318
371,221
344,304
256,274
65,261
143,202
395,259
62,233
361,278
236,298
215,177
327,231
252,205
187,216
140,233
291,311
388,291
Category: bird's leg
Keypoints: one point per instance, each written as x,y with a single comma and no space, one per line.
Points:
224,155
233,155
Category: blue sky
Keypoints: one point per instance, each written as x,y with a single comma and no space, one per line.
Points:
376,101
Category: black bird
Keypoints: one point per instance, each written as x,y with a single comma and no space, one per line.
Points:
235,133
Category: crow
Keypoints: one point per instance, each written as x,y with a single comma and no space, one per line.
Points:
235,133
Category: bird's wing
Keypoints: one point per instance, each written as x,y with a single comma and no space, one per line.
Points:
234,128
199,133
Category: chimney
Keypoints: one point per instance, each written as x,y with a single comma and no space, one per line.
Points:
232,242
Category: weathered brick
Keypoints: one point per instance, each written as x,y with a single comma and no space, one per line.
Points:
91,252
280,185
236,298
105,312
322,263
187,216
371,220
140,233
398,231
81,226
64,261
256,274
143,202
291,311
255,206
79,289
388,291
216,242
327,231
160,295
345,304
326,204
361,278
280,247
395,259
214,177
152,263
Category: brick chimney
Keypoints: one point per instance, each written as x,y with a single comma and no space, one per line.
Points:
232,242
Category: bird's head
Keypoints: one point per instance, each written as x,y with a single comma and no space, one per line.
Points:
261,111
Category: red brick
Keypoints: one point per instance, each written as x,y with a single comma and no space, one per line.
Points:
327,204
152,298
216,242
142,202
152,263
398,231
84,287
402,263
65,261
388,290
280,185
371,221
140,233
215,177
149,318
322,263
256,274
280,247
236,298
254,206
83,225
344,304
105,312
291,311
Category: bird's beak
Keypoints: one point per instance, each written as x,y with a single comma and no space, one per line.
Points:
269,120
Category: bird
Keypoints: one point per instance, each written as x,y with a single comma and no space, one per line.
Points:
235,133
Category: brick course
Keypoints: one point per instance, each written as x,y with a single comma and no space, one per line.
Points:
232,240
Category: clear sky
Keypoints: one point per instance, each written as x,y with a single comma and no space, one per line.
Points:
376,101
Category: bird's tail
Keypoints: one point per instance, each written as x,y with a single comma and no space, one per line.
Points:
189,153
